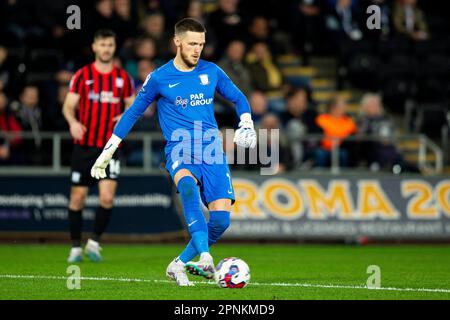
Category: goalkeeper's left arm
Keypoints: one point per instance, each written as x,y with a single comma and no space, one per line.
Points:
245,136
148,93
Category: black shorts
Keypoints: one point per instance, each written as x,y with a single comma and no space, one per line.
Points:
83,158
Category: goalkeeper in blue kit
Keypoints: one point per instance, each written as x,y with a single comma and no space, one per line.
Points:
184,90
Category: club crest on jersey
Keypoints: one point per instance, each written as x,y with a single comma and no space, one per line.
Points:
119,82
204,80
76,177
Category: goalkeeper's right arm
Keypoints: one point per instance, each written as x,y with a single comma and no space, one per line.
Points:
146,96
126,122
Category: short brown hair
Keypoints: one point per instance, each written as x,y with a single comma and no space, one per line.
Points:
104,33
189,24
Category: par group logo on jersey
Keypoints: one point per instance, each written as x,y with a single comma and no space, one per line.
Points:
204,80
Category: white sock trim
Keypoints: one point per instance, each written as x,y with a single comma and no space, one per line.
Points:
205,256
93,242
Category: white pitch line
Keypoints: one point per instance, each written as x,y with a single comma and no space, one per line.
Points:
275,284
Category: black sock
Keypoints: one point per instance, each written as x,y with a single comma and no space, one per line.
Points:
101,222
75,223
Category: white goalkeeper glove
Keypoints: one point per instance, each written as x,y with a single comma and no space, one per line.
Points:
245,136
98,170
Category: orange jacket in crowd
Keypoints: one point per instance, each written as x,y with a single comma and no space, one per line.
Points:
335,127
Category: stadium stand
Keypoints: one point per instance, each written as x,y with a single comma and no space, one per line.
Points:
312,45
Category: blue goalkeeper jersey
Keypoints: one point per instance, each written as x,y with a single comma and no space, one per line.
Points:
185,100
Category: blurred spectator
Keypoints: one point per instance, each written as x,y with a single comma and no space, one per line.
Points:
233,65
102,17
154,27
147,123
4,70
271,123
264,73
299,108
63,76
195,11
259,105
28,108
145,67
144,48
117,61
29,114
125,25
170,9
227,24
9,146
21,24
307,26
336,126
260,31
56,117
380,154
409,20
299,119
342,22
146,7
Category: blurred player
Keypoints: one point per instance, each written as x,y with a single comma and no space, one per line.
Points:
99,93
184,89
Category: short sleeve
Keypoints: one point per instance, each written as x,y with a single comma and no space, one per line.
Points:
76,83
128,87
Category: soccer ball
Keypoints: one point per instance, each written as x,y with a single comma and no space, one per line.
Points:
232,273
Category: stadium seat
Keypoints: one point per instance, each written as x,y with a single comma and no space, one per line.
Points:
422,49
431,118
349,49
396,77
398,45
45,61
362,71
431,78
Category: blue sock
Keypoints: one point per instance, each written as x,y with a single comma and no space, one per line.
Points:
188,253
190,197
218,223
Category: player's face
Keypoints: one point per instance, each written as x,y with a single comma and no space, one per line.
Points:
104,49
190,46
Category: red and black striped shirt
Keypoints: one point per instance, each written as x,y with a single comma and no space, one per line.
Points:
101,99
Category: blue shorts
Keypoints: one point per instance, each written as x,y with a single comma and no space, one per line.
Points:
214,179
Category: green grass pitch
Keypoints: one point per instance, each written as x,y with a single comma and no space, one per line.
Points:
277,271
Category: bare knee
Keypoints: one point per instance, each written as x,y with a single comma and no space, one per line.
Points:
77,199
106,200
181,174
220,205
107,191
